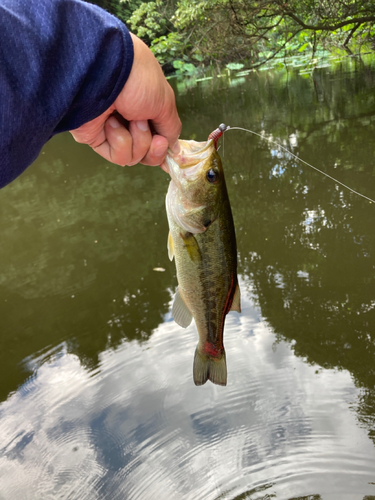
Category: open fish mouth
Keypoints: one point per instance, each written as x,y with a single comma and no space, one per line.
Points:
188,162
191,153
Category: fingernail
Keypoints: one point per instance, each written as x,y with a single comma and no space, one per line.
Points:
160,151
112,122
142,125
176,147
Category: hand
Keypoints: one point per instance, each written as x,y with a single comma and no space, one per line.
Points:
147,98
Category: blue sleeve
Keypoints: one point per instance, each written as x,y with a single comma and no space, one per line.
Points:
62,63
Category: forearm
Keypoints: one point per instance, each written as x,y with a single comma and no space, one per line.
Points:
62,64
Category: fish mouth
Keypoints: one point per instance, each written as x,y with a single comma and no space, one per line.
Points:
192,152
188,161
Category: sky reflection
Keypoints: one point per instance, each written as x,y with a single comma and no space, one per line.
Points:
137,427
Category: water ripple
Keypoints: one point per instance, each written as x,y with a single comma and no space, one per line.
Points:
138,428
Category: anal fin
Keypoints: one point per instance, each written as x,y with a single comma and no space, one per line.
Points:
180,311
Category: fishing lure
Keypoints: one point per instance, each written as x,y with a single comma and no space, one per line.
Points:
217,133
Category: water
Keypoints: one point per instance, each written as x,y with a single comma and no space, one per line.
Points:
97,396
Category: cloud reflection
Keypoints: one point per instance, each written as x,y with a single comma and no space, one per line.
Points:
138,428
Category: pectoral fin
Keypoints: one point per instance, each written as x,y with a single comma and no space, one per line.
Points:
191,245
180,311
236,304
170,246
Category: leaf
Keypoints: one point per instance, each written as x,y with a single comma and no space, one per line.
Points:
304,46
234,66
178,64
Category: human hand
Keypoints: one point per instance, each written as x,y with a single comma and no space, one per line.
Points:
147,98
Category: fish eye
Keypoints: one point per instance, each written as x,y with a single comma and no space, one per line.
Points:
212,176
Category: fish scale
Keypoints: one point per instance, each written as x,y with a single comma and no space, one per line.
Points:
202,241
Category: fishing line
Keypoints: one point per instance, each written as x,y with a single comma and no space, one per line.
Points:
299,159
219,147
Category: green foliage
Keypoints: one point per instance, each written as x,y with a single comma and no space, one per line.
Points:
148,21
192,11
123,9
168,47
234,66
247,32
182,67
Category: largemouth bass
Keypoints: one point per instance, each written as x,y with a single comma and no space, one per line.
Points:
203,242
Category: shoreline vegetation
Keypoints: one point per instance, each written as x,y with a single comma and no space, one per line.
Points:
191,36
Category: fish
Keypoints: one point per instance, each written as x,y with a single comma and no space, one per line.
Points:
202,241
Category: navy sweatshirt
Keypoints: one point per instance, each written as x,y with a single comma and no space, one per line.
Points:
62,64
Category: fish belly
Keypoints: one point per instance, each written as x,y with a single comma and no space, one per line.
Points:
206,284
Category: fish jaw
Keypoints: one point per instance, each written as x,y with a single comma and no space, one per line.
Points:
185,166
193,202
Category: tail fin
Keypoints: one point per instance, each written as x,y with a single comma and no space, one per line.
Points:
209,368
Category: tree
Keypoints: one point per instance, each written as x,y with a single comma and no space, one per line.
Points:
230,30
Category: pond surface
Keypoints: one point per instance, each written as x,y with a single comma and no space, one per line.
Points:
96,389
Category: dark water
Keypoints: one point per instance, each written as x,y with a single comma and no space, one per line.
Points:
97,396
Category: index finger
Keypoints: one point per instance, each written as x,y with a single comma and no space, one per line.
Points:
168,123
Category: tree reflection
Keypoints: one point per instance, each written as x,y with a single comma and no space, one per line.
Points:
80,243
306,244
